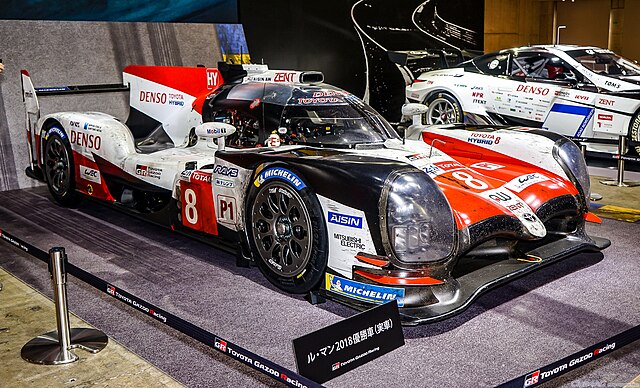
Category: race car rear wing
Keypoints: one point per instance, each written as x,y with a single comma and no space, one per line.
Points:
32,110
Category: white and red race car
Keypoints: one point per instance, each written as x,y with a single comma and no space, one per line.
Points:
317,189
576,91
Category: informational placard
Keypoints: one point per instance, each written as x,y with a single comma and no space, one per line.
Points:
343,346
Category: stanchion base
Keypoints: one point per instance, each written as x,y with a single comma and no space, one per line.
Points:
45,349
621,184
595,197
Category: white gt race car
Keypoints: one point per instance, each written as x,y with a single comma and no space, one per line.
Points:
576,91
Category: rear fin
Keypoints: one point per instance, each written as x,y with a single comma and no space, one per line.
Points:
32,115
171,95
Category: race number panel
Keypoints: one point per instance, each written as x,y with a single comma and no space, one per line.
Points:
198,211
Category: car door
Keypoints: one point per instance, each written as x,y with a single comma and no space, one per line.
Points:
553,94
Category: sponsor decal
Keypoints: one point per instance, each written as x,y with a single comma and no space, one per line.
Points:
416,157
581,97
562,93
460,85
493,64
153,97
200,177
212,78
440,168
224,183
345,220
148,171
415,95
279,173
284,77
111,290
605,117
89,189
53,89
273,140
523,181
483,138
90,174
479,101
364,292
477,94
74,124
538,90
186,175
85,140
604,101
508,200
92,127
350,241
57,131
540,375
487,166
612,84
217,131
321,100
255,103
224,170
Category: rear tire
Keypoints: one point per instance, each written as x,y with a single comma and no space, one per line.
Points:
59,169
443,108
288,235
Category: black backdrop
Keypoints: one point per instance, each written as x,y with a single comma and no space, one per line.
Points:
321,35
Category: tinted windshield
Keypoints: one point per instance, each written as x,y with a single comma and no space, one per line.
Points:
605,62
332,118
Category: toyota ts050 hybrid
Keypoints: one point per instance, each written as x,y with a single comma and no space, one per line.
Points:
316,188
572,90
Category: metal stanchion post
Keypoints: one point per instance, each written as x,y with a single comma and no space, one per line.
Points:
620,182
583,150
53,348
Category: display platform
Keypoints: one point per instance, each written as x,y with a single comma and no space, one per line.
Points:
508,332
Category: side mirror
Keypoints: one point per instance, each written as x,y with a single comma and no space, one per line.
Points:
211,131
415,111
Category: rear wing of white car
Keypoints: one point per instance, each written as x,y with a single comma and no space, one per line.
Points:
32,110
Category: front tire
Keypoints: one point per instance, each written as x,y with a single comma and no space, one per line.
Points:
59,170
443,108
287,233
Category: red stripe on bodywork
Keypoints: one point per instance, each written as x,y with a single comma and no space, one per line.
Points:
194,81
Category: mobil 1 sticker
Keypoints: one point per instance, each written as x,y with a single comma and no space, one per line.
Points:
345,345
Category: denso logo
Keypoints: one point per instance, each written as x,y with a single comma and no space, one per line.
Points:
153,97
85,140
533,90
284,77
345,220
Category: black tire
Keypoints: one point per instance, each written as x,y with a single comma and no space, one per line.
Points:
634,131
59,169
287,234
443,108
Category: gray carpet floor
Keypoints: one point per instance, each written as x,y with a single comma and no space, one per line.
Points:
511,330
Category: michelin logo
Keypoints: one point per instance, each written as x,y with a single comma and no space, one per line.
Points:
364,292
280,173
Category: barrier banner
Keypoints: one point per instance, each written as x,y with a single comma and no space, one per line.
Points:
345,345
575,360
261,364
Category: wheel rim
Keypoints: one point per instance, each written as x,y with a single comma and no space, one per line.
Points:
441,111
57,166
282,229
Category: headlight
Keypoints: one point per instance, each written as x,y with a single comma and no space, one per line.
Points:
420,223
570,158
